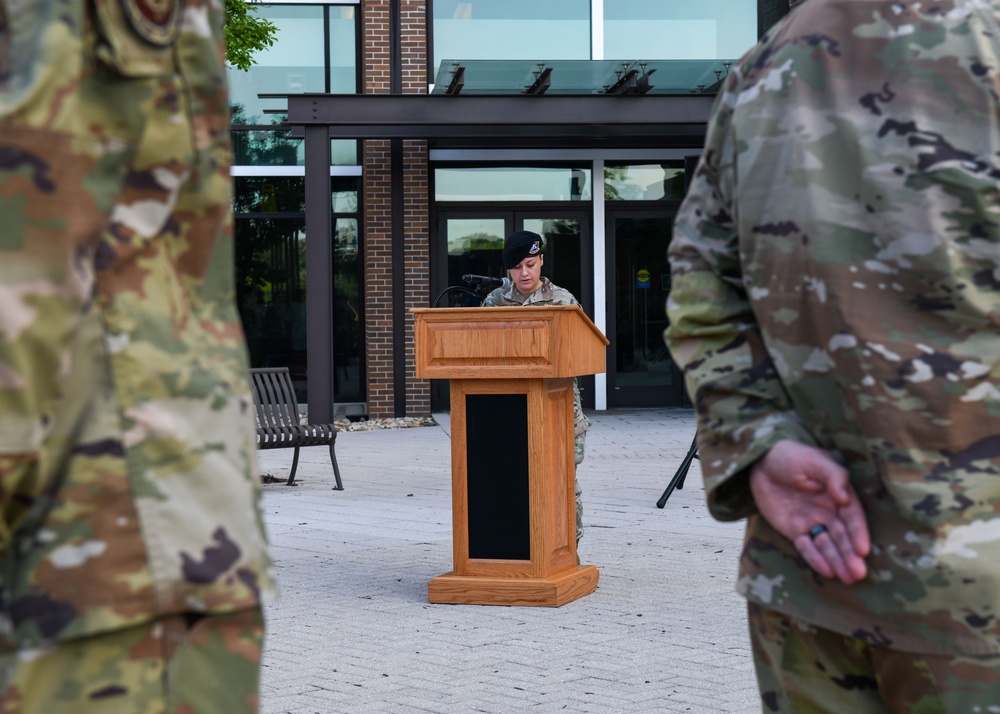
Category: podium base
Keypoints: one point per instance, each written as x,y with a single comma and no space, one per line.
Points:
552,591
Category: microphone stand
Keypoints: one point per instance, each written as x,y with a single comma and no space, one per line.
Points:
478,293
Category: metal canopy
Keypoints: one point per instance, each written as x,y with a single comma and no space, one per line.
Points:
607,120
509,120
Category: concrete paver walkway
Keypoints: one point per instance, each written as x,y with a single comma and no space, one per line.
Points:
353,631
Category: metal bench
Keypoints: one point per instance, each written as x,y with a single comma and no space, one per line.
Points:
278,422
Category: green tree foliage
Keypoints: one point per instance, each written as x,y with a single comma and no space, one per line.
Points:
246,33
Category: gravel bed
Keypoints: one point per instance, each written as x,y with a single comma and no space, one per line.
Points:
372,424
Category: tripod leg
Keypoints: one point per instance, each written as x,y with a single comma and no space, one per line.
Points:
678,480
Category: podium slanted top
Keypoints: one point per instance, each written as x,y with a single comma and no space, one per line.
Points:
507,342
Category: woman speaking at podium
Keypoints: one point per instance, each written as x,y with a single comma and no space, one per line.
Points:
523,259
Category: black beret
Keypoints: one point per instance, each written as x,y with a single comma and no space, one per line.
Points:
519,246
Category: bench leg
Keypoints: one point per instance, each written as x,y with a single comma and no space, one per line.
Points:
295,465
336,468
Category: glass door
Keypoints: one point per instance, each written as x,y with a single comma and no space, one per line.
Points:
472,245
568,253
640,371
471,242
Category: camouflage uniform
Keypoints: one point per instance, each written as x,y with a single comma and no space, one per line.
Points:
549,294
129,492
836,282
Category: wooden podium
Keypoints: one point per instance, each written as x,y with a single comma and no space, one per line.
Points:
512,454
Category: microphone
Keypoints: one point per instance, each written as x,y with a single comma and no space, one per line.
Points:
485,282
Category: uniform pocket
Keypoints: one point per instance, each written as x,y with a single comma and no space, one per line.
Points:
136,37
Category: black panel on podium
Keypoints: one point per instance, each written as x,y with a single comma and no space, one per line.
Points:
497,457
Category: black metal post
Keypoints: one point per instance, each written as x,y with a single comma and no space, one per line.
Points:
319,278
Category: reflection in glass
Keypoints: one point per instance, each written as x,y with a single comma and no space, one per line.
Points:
511,29
348,352
343,52
292,65
296,62
276,147
654,29
644,182
474,246
344,197
518,183
265,147
270,269
562,250
343,152
270,291
268,194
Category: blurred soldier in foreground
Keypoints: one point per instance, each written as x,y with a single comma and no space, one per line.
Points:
132,553
836,308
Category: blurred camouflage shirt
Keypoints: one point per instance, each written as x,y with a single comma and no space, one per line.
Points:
547,294
128,479
836,281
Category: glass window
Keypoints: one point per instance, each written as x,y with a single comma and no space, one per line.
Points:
348,345
512,184
344,197
271,276
641,286
266,147
343,152
268,194
563,251
296,62
343,51
474,235
474,246
270,289
276,147
348,336
679,29
511,29
644,182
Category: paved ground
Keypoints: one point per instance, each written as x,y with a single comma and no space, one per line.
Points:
353,631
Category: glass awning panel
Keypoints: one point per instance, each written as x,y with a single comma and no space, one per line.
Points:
580,76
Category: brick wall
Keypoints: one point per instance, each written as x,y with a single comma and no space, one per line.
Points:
378,212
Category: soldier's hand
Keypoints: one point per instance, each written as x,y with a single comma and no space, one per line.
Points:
806,496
